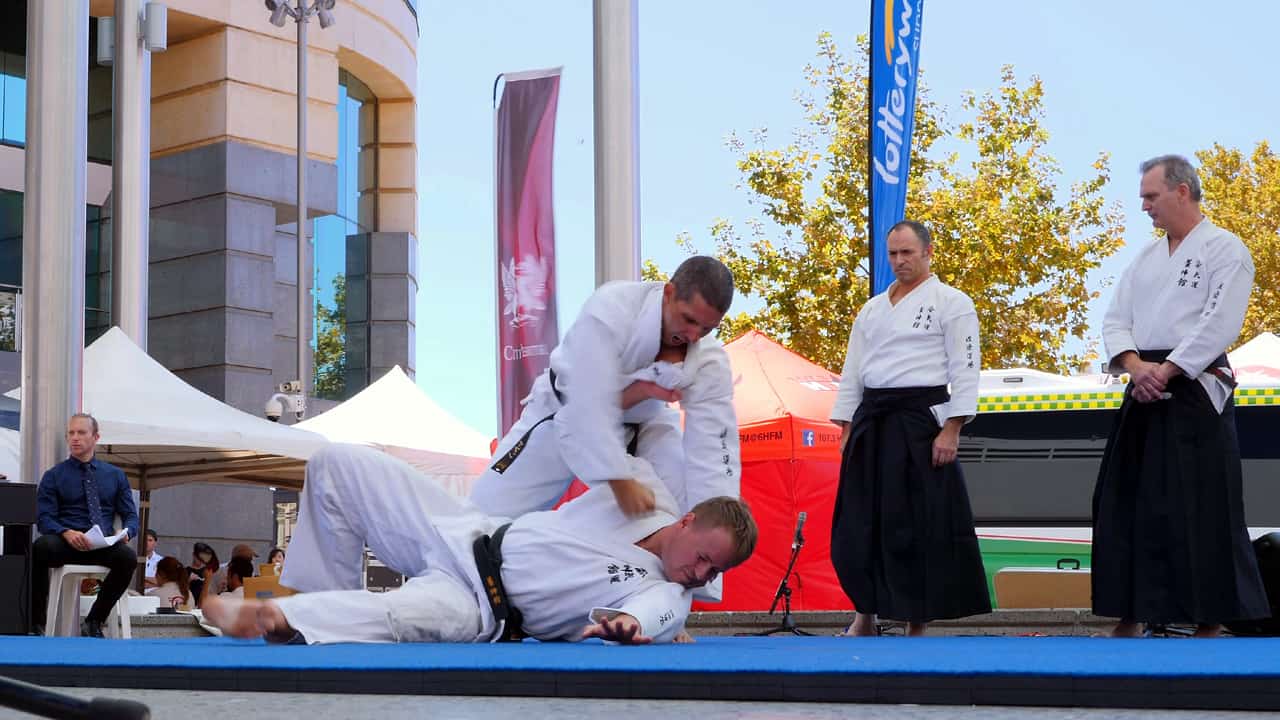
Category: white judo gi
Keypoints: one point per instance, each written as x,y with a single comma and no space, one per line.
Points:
1192,302
577,428
929,338
559,568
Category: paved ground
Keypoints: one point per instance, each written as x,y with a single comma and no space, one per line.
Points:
183,705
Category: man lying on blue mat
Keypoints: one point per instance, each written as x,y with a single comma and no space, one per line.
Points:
478,579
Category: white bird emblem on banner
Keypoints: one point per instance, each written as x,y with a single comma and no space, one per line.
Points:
524,290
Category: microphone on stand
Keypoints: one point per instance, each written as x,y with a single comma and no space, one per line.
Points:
788,623
798,540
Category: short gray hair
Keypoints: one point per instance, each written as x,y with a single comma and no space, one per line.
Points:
921,232
707,277
1177,171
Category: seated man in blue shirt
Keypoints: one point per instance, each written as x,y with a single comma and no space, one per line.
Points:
73,496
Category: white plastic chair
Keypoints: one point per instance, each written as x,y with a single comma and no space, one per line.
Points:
62,615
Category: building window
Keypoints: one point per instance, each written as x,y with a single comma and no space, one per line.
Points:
13,85
341,250
97,290
13,73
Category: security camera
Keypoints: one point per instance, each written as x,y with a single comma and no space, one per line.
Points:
279,9
275,407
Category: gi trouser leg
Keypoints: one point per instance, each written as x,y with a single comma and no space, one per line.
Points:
432,608
356,496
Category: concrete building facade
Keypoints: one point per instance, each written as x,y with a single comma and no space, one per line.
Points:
223,237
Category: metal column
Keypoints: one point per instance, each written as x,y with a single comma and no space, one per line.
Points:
304,328
616,145
53,228
130,174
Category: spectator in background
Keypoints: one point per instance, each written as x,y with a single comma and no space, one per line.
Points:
276,557
203,571
153,558
74,496
173,584
237,570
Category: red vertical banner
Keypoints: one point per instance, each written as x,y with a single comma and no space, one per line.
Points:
524,141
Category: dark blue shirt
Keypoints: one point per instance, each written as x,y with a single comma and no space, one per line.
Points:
61,504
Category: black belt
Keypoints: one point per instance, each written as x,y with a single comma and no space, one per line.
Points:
904,398
488,553
501,464
1219,368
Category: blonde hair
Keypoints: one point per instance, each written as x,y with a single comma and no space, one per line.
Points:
733,515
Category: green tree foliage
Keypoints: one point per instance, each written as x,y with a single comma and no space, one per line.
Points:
1242,194
330,360
1003,232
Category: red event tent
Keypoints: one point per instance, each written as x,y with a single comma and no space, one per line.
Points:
790,463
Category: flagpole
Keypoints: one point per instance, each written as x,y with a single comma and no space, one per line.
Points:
497,277
871,153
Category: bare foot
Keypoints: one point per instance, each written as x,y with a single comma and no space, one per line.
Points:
245,618
916,629
1125,629
863,625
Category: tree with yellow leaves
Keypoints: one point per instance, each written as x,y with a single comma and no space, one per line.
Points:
1002,234
1242,194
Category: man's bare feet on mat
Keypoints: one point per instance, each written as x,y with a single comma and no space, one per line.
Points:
246,618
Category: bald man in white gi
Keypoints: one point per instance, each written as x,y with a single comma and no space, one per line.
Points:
584,570
635,347
1170,543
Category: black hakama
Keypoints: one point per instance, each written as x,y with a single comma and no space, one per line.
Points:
1170,543
902,537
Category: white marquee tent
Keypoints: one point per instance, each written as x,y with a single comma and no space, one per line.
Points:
1257,362
396,416
163,432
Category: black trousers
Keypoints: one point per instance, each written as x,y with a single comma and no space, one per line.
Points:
52,551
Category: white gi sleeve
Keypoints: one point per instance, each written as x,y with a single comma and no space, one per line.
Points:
1230,282
850,394
661,610
1117,324
964,357
589,424
712,456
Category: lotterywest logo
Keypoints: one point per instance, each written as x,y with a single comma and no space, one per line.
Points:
524,290
891,113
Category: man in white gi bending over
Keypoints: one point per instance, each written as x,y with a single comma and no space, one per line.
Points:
902,537
635,347
584,570
1170,543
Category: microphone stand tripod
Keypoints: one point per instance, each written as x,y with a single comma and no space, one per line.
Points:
788,623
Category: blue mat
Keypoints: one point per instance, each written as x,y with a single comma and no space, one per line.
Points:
1253,658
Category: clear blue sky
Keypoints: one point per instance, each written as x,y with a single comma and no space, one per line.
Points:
1136,78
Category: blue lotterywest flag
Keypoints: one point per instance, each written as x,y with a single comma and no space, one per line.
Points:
895,52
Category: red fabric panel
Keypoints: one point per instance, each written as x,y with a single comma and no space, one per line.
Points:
576,488
776,491
771,382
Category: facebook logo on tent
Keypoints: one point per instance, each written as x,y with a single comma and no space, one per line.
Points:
808,438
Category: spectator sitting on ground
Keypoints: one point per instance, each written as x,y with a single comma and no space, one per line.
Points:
174,587
237,570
